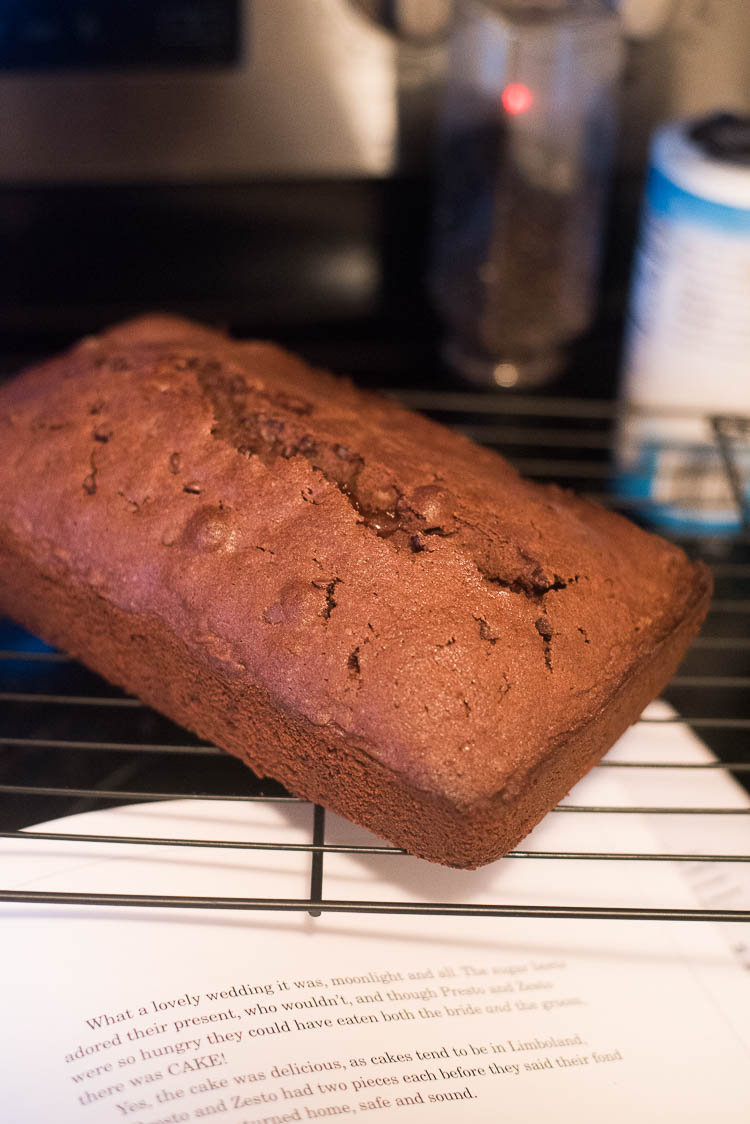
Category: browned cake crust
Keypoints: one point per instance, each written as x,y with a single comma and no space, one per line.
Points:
349,597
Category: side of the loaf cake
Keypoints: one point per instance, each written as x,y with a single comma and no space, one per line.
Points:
353,599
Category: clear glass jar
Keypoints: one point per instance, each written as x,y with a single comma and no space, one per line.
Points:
526,138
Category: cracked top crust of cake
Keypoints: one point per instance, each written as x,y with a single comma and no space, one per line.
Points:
374,572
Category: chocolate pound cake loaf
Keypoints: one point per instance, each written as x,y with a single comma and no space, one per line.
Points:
349,597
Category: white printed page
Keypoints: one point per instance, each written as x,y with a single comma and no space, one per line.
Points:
162,1015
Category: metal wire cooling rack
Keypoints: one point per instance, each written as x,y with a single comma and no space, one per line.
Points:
71,743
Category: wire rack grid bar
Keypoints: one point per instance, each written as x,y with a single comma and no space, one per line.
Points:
447,909
143,795
319,847
214,751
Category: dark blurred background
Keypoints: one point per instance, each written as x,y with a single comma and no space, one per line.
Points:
270,165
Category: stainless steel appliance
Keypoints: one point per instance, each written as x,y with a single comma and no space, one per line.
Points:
183,90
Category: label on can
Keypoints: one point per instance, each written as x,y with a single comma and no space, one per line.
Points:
675,473
688,342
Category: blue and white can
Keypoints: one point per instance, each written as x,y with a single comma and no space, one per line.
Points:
687,352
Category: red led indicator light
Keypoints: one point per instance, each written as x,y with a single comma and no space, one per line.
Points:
516,98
